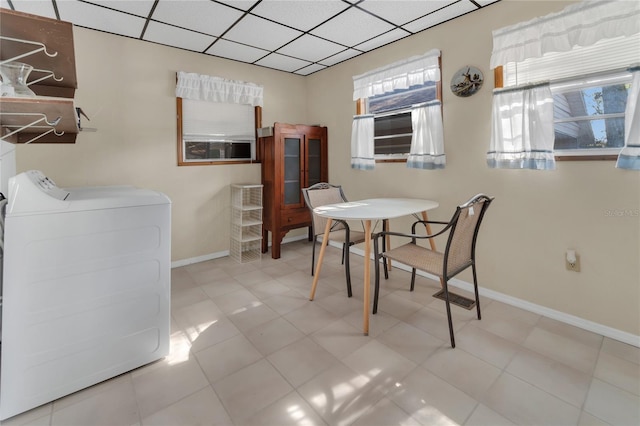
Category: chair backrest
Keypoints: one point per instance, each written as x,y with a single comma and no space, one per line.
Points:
460,251
322,194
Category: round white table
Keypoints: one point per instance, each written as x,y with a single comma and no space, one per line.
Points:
366,211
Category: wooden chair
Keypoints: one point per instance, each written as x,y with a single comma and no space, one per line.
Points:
322,194
458,255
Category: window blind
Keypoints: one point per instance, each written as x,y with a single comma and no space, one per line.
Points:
611,54
207,121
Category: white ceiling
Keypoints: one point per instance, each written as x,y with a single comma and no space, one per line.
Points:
297,36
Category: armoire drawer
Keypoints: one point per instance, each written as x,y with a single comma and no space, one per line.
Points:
295,218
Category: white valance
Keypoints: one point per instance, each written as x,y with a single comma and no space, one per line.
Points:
399,75
578,25
215,89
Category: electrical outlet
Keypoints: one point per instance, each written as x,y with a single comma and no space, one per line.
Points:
575,267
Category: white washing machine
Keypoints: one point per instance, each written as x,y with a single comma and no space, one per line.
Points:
86,287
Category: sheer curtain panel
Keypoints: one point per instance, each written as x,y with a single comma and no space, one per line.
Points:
522,134
427,142
629,157
215,89
362,149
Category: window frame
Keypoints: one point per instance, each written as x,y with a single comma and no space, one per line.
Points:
615,77
581,81
578,154
181,141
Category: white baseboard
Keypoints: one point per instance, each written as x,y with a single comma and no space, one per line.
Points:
594,327
224,253
198,259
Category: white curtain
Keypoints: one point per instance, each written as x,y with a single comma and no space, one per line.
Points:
362,142
582,24
215,89
427,141
398,75
629,157
522,134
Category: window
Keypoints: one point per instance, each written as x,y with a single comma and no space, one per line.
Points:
590,86
589,116
216,120
391,101
392,119
216,132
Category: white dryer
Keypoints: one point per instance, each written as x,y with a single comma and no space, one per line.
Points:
86,287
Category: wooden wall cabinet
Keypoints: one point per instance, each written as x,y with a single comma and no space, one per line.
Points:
47,45
293,157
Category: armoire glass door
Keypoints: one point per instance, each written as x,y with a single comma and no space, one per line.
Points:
292,170
314,161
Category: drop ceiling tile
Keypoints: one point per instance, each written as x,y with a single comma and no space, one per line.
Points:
35,7
302,15
383,39
203,16
441,15
485,2
310,69
311,48
99,18
177,37
235,51
261,33
240,4
136,7
281,62
342,56
352,27
403,11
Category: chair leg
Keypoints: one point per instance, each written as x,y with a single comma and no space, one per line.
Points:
475,287
376,289
343,252
347,270
384,248
313,256
446,294
413,278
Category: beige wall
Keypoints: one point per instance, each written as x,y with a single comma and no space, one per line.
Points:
536,215
127,88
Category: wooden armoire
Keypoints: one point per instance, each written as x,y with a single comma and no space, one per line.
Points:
293,157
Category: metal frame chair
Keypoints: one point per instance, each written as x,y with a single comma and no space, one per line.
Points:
458,255
322,194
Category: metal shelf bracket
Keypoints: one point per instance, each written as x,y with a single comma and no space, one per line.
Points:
49,74
41,48
50,125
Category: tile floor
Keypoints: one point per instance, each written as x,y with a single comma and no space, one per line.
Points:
249,348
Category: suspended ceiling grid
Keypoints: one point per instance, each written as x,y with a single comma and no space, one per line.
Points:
295,36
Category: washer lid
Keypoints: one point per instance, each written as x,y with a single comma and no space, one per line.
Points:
33,193
104,197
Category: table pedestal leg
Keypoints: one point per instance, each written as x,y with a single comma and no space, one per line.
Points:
316,276
367,274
